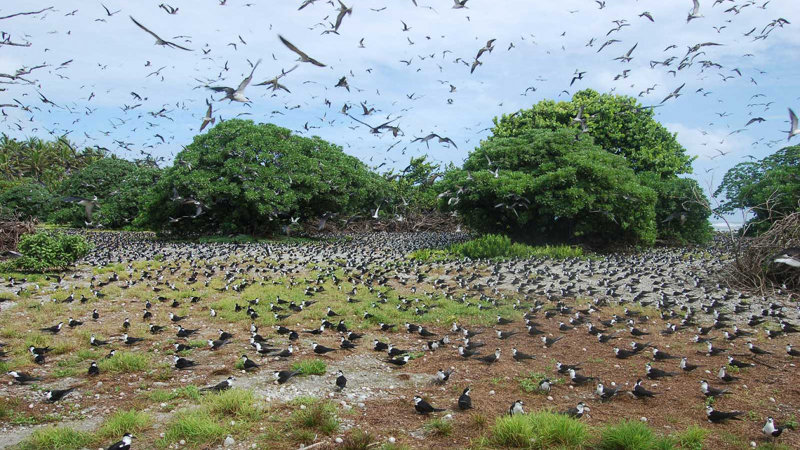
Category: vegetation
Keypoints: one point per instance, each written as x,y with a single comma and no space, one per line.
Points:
546,185
247,175
439,427
540,430
310,367
611,175
195,427
121,422
769,188
56,438
125,362
315,415
45,251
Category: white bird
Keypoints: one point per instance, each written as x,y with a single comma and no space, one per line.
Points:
236,95
794,130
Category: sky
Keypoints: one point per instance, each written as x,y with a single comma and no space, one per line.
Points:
111,86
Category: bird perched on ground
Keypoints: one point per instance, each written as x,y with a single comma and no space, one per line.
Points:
519,356
654,373
489,359
756,350
424,407
183,363
22,377
516,408
772,430
284,375
123,444
577,411
577,378
606,393
465,401
442,376
715,416
93,369
55,395
640,392
685,366
223,385
341,381
248,363
320,349
709,391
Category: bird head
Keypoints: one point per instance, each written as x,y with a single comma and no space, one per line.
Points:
417,399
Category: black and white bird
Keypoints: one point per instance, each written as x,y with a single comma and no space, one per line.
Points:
715,416
129,340
791,255
606,393
442,376
93,369
401,361
248,363
577,411
790,351
577,378
640,392
22,377
465,401
341,381
223,385
55,395
772,430
519,356
283,376
183,363
709,391
94,342
516,408
424,407
321,349
654,373
492,358
756,350
123,444
686,366
548,342
723,375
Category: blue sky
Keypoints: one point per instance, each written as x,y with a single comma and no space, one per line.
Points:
538,44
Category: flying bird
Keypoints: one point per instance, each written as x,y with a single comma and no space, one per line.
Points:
302,56
236,95
159,41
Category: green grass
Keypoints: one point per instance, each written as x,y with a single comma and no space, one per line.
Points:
439,427
189,392
492,246
56,438
356,439
539,430
195,427
125,362
121,422
238,403
310,367
314,415
530,383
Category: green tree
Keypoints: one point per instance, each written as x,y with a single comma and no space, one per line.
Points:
617,123
26,199
252,178
553,185
120,186
769,188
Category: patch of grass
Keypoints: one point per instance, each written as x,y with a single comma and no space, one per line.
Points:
56,438
125,362
239,403
121,422
195,427
7,405
356,439
540,430
190,392
63,373
439,427
478,421
493,246
310,367
626,435
692,438
530,383
315,415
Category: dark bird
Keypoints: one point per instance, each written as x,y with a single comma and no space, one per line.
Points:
284,375
183,363
302,56
124,444
55,395
248,364
756,350
772,430
223,385
715,416
22,377
159,41
640,392
341,381
93,369
709,391
320,349
424,407
519,356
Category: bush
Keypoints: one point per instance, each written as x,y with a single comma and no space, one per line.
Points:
539,430
26,199
627,435
56,438
252,178
125,362
681,210
310,367
45,251
551,186
498,246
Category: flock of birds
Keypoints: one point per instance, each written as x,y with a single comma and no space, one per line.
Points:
125,130
538,292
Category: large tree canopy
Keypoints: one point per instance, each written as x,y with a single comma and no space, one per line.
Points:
120,186
617,123
551,185
251,178
770,188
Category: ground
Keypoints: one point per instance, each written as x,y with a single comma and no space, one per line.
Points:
358,274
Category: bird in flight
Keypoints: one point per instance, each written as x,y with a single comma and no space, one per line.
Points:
794,130
208,119
159,41
236,95
303,57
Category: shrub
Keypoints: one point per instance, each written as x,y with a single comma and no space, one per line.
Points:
540,430
627,435
122,422
125,362
45,251
195,427
310,367
26,199
56,438
239,403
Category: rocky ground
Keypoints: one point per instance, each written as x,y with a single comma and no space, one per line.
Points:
372,273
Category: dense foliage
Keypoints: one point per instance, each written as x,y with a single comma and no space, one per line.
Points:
120,186
769,188
48,251
551,185
45,162
617,123
25,199
619,174
252,178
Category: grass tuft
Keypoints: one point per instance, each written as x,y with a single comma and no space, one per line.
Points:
239,403
310,367
56,438
125,362
315,415
626,435
540,430
121,422
195,427
357,439
439,427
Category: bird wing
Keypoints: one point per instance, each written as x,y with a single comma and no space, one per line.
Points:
224,89
299,52
792,119
158,38
172,44
247,80
696,7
